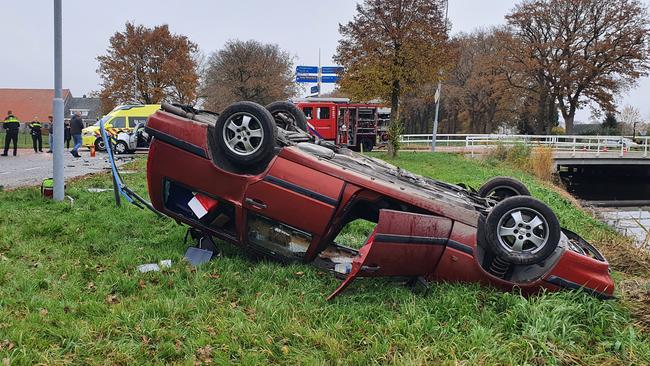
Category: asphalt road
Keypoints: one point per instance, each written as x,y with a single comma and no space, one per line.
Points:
29,168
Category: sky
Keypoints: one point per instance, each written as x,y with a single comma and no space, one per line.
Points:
301,27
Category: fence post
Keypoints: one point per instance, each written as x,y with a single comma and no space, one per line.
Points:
467,143
620,154
573,154
645,152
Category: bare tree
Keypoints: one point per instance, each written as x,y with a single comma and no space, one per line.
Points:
478,87
629,119
581,50
248,70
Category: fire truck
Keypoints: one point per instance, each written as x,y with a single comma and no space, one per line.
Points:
354,125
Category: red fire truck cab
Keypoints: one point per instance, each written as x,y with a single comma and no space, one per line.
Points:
337,120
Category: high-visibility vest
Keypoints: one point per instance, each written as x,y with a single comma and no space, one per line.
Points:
36,124
11,123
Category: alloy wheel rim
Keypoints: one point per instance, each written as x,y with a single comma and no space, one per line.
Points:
243,134
523,229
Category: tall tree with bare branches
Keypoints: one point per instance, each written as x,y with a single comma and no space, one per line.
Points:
148,65
582,50
389,48
248,70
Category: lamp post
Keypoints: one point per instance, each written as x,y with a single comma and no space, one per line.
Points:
57,107
438,92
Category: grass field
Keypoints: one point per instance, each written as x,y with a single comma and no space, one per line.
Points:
24,140
70,294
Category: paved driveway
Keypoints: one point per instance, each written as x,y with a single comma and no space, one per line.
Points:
29,168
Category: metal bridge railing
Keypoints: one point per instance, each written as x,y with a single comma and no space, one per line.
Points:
573,144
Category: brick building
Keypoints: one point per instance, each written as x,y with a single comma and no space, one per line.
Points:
36,104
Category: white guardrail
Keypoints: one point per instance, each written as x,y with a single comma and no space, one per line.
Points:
565,143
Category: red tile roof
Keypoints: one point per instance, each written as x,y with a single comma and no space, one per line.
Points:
28,104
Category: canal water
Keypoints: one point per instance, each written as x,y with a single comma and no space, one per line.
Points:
620,196
629,221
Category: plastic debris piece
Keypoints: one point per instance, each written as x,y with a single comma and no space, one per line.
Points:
98,190
149,267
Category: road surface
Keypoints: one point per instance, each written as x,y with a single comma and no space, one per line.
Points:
29,168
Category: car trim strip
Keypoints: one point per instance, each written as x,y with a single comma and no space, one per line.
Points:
404,239
563,282
196,150
460,247
301,190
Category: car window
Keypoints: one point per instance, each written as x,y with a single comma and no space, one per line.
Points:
323,113
307,111
134,121
118,122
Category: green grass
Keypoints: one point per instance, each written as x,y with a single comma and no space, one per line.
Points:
70,293
24,140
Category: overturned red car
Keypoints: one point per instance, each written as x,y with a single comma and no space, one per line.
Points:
251,176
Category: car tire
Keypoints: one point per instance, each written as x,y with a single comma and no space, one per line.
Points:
121,148
287,116
99,144
522,230
500,188
245,134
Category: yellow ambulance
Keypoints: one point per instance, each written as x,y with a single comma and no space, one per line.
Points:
121,119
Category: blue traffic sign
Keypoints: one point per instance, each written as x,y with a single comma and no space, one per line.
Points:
306,79
306,69
329,79
331,69
314,89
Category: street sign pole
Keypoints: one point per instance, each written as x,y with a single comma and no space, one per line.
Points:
435,120
57,107
320,74
438,92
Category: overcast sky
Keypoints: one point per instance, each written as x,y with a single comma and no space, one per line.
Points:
299,26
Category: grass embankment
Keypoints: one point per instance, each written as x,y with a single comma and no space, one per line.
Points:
70,293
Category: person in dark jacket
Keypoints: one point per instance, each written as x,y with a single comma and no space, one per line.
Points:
66,134
11,125
76,125
37,136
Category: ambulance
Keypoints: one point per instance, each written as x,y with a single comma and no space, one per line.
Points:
123,118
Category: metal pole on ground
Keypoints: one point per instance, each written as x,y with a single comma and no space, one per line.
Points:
57,107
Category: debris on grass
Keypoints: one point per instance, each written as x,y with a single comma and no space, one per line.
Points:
98,190
155,267
112,299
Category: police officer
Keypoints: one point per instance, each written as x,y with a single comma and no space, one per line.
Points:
11,125
37,136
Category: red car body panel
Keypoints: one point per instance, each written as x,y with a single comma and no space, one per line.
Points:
438,240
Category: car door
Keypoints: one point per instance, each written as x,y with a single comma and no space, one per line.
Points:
403,244
291,202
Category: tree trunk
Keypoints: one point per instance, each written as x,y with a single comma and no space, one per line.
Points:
568,122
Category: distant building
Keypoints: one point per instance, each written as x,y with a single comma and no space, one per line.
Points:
36,104
90,109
